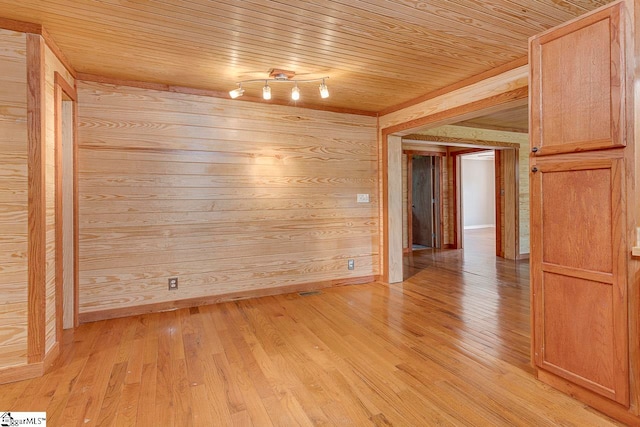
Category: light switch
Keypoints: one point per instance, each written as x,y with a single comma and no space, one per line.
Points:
363,198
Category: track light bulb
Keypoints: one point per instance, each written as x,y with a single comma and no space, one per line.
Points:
266,91
324,90
295,93
236,92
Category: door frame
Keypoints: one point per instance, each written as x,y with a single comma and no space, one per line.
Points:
439,226
392,136
458,223
507,215
64,92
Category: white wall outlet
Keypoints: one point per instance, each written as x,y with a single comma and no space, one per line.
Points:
363,198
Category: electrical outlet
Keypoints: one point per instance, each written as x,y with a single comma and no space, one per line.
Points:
173,283
362,198
351,264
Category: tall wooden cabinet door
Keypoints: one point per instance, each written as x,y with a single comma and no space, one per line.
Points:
577,85
578,273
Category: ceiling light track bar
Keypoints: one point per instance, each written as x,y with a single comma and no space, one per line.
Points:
281,76
319,79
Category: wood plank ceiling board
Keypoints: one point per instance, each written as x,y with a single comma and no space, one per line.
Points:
512,120
378,53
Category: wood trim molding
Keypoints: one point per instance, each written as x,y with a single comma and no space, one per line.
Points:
57,52
457,193
76,220
498,202
31,28
61,86
12,374
425,153
51,357
214,94
520,257
607,406
95,316
456,199
477,143
439,224
65,86
20,26
499,102
384,205
410,202
469,151
36,129
443,164
462,83
57,152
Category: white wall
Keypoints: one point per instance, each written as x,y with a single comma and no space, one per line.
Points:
478,192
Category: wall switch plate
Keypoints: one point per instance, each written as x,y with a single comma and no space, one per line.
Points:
173,283
351,264
363,198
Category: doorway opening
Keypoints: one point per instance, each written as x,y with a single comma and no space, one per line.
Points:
424,201
478,187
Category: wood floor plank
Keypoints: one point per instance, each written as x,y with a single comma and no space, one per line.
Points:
449,346
126,413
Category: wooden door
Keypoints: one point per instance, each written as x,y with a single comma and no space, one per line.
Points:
422,199
578,223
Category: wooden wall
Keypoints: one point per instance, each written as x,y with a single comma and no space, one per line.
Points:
52,64
229,196
13,198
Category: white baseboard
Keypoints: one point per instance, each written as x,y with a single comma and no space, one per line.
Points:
473,227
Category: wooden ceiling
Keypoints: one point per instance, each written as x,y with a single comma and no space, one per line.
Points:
378,53
513,120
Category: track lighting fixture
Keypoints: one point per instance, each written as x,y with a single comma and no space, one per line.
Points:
236,92
324,90
266,91
295,93
281,76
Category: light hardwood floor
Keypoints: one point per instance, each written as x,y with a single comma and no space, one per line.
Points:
449,346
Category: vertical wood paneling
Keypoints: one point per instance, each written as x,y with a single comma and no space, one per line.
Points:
226,196
51,65
13,198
